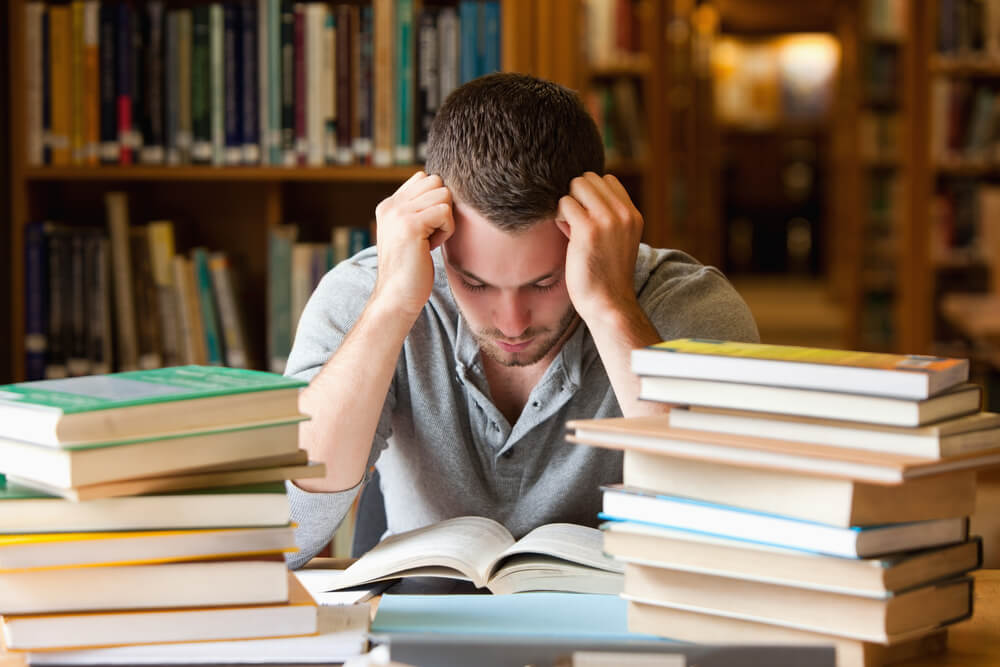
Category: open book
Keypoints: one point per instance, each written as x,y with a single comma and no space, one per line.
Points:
553,557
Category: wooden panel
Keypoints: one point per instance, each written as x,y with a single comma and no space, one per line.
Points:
775,16
519,35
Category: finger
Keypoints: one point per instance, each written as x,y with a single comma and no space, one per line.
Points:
418,184
444,231
586,192
434,218
571,213
563,227
432,197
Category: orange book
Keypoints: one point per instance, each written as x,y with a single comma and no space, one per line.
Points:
77,81
60,83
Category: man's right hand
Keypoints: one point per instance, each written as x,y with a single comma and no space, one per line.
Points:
416,219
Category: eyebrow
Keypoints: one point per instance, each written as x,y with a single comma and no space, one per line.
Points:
469,274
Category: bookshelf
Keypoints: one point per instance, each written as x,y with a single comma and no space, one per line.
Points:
235,208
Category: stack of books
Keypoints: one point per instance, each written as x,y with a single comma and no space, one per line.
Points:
798,495
149,507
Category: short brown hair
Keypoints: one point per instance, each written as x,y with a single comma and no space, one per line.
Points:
508,145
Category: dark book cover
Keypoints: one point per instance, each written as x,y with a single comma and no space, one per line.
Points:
77,362
60,298
346,17
233,68
287,81
151,95
109,150
251,100
428,79
36,300
137,71
201,83
365,65
123,54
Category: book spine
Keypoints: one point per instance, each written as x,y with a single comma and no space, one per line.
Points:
364,68
345,95
46,87
384,82
315,20
428,84
146,309
91,83
468,26
263,80
60,83
171,41
404,150
34,81
329,88
217,85
340,240
59,279
123,57
153,149
116,204
206,303
137,70
76,83
276,85
99,305
279,296
201,85
449,65
299,49
490,45
359,240
78,361
287,82
250,103
185,85
35,300
232,61
161,254
187,351
229,317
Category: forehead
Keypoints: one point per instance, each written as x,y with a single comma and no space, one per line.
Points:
503,258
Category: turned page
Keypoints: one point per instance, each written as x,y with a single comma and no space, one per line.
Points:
565,541
460,548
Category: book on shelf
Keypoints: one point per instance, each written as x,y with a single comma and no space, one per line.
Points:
896,376
116,204
828,500
297,616
691,626
872,619
65,471
688,551
655,435
209,583
341,634
143,404
75,549
629,504
961,400
27,510
962,435
553,557
240,473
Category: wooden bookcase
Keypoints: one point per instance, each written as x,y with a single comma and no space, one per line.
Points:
234,208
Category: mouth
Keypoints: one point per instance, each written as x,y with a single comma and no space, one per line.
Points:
514,347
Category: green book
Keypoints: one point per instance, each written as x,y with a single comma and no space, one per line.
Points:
143,404
405,150
26,510
206,302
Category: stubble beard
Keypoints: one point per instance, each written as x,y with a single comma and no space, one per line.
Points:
487,342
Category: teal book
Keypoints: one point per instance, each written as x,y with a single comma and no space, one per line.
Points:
206,302
143,404
24,510
405,151
279,295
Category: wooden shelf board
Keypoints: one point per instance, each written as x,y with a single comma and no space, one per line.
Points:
210,173
967,167
636,65
968,65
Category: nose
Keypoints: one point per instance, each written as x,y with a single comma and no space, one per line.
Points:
511,315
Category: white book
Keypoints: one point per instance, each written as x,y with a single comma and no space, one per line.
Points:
315,93
621,503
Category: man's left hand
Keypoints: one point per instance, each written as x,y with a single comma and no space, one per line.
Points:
604,229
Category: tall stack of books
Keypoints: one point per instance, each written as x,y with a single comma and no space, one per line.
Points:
149,507
798,495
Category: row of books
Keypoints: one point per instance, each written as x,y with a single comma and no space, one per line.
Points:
880,136
799,496
968,27
965,219
150,507
619,113
614,31
272,82
964,117
886,19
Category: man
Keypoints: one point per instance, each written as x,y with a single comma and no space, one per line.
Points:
508,289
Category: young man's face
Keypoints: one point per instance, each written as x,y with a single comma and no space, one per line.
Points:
510,287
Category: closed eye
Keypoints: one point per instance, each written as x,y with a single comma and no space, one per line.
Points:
473,287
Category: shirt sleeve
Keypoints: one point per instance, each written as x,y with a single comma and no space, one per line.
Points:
696,304
330,313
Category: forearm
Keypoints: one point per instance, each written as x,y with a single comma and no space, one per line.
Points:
345,398
616,333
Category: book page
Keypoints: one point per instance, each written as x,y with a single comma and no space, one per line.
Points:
468,545
564,541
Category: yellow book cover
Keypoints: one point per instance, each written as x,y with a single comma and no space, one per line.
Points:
60,82
77,79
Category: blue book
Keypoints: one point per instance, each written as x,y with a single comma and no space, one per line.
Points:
468,29
628,504
233,82
490,61
250,123
206,302
360,238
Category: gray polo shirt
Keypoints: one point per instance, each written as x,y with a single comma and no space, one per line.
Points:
443,449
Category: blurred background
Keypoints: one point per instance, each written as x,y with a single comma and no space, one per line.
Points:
838,160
